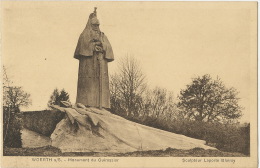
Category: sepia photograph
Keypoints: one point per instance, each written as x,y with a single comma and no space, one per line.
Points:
129,84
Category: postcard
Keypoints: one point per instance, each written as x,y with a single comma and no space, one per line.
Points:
129,84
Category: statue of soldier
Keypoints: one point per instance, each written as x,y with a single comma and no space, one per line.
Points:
93,52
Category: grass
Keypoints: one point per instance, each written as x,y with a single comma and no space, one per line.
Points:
169,152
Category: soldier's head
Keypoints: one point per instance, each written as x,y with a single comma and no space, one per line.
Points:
95,24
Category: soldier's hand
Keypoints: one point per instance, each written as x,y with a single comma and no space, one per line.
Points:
98,48
98,43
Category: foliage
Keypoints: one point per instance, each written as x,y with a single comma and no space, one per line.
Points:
131,98
42,122
127,87
12,127
58,96
159,103
13,98
226,137
208,100
206,110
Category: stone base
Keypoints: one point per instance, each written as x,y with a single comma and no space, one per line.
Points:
94,130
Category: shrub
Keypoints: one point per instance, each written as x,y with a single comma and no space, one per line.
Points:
43,122
11,128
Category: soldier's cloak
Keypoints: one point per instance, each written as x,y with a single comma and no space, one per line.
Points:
88,91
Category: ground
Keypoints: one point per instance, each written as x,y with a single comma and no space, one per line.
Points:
169,152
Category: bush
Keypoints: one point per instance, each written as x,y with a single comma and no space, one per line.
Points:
12,128
225,137
58,96
43,122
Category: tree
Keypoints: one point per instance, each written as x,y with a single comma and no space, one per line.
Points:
13,98
209,100
159,103
58,96
127,87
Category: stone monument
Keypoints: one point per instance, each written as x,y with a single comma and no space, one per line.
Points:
93,52
87,125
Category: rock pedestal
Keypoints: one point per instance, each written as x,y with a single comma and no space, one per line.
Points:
94,130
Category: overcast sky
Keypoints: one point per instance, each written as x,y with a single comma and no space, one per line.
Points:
173,41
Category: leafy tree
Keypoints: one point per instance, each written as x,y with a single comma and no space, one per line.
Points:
13,98
58,96
208,100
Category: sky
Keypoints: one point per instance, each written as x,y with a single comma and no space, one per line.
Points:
173,42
